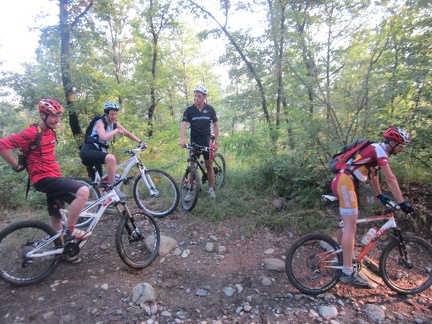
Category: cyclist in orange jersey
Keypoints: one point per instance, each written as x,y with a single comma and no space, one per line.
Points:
368,162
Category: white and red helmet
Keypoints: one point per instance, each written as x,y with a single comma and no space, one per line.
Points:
50,107
398,134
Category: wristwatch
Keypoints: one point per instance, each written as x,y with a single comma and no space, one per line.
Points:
217,142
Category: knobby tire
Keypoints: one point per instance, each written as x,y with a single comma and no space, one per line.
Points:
18,239
219,167
401,277
165,201
191,185
137,239
309,263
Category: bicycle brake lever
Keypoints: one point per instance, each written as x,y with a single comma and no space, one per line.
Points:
391,205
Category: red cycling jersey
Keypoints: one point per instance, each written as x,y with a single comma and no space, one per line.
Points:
41,162
371,156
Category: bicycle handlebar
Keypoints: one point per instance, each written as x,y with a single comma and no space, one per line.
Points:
136,150
196,147
390,205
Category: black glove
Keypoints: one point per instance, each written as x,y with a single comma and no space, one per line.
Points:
384,199
406,207
18,168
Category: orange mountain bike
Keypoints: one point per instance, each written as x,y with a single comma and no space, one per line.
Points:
314,262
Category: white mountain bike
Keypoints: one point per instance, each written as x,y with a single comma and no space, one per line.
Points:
30,250
154,190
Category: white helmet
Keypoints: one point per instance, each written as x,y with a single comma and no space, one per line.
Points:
111,106
201,89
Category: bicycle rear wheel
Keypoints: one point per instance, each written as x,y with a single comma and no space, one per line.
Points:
163,199
312,265
219,167
16,241
190,189
410,274
137,239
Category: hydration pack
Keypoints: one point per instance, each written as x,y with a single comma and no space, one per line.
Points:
345,158
89,139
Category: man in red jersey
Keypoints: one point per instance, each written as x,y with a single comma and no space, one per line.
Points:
44,171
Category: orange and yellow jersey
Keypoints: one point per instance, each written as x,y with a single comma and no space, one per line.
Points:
371,156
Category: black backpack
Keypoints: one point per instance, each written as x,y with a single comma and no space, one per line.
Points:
94,139
345,158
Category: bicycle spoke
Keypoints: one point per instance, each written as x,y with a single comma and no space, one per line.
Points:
219,167
411,274
190,189
312,265
162,198
138,239
16,241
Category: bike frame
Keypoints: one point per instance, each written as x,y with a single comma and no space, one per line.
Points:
193,157
106,200
389,224
128,165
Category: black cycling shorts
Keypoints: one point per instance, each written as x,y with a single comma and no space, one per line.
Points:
203,141
58,191
92,156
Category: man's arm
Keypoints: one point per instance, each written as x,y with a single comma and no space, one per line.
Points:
392,183
375,181
182,142
103,134
8,157
216,134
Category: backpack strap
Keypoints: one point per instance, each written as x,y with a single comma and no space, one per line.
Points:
94,139
34,145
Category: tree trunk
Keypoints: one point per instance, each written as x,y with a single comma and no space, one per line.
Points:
65,69
65,29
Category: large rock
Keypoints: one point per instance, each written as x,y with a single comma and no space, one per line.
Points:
274,264
142,293
167,244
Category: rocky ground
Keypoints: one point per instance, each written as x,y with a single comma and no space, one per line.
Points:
214,275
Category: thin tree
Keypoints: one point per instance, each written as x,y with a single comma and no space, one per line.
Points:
68,20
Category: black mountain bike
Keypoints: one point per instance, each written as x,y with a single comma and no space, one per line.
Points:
192,181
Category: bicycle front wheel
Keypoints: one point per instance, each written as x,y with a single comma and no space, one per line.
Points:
190,189
161,198
312,264
137,239
410,273
219,167
16,241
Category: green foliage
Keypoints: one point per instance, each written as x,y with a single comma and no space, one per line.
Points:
320,90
